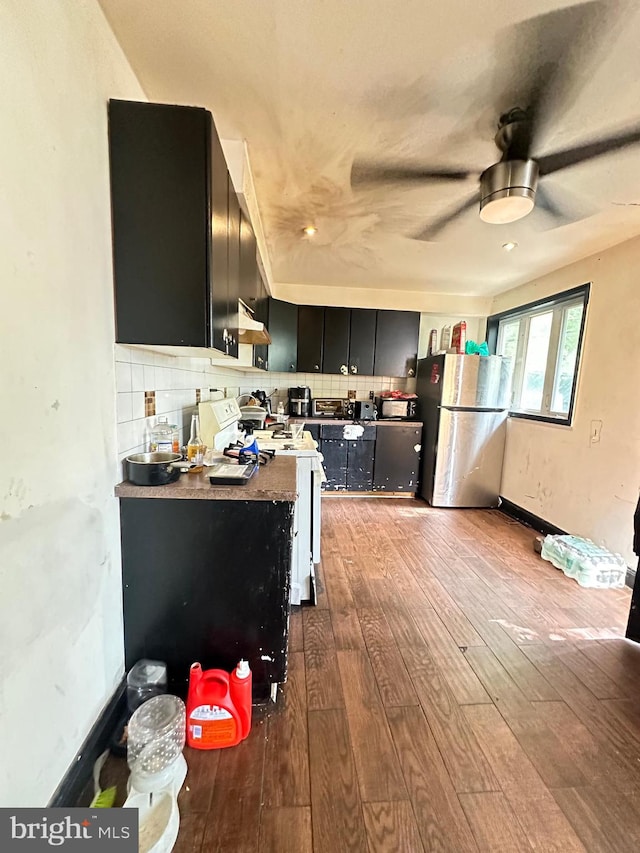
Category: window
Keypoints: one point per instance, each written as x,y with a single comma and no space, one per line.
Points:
543,342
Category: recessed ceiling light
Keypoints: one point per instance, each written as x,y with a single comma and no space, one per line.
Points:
310,230
509,247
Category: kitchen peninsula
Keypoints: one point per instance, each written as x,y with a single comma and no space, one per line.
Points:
206,573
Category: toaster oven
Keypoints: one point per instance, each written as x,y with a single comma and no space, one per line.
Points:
389,407
330,407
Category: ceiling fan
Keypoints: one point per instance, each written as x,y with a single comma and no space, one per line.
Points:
555,44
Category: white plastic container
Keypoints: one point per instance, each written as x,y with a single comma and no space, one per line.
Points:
158,770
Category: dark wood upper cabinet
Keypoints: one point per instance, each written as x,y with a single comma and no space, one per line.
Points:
396,343
261,313
219,245
310,338
281,319
362,341
335,354
167,198
234,271
249,278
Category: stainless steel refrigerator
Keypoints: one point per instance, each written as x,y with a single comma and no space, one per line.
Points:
463,402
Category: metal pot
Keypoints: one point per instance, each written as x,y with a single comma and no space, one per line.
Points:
154,469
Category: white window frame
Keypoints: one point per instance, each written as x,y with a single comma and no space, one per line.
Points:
558,307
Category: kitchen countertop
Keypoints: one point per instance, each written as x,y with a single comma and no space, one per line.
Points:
345,421
275,481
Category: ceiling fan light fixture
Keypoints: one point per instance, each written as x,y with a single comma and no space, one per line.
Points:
508,191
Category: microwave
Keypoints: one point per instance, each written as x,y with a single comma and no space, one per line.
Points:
388,407
331,407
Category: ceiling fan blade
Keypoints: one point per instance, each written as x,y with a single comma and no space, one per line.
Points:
367,173
572,156
561,211
437,225
545,60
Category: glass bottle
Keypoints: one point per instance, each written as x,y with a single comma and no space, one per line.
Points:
194,445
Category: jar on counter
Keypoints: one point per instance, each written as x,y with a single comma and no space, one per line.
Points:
165,437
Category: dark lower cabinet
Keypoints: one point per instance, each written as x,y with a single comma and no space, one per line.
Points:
348,462
334,451
397,462
360,455
199,595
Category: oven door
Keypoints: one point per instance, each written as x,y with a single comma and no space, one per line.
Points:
395,408
327,407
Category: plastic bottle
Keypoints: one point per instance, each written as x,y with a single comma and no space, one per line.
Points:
241,683
214,720
161,436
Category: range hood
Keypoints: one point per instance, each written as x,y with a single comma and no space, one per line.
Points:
250,331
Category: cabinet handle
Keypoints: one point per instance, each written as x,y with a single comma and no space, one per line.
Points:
316,367
343,369
411,372
354,368
292,366
260,360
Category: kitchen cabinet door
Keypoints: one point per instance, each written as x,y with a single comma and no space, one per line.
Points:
169,207
335,352
334,452
283,328
362,341
310,338
219,245
248,263
397,459
159,159
234,271
360,455
396,343
261,308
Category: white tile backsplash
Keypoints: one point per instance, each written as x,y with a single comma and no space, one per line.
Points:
175,380
137,377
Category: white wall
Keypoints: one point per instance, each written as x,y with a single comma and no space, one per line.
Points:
61,652
555,471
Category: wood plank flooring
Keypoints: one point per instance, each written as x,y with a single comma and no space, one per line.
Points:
451,692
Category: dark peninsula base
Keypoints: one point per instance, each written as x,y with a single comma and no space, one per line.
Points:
208,581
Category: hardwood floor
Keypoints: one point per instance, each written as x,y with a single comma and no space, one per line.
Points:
451,692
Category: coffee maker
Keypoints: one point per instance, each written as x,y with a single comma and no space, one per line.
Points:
300,402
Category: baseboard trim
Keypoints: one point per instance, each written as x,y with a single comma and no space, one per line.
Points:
73,784
545,527
528,518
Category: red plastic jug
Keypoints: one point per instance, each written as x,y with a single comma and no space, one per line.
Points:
218,707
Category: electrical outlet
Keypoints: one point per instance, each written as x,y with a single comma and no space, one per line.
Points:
596,429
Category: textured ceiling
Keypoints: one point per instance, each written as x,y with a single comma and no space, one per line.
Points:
310,86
